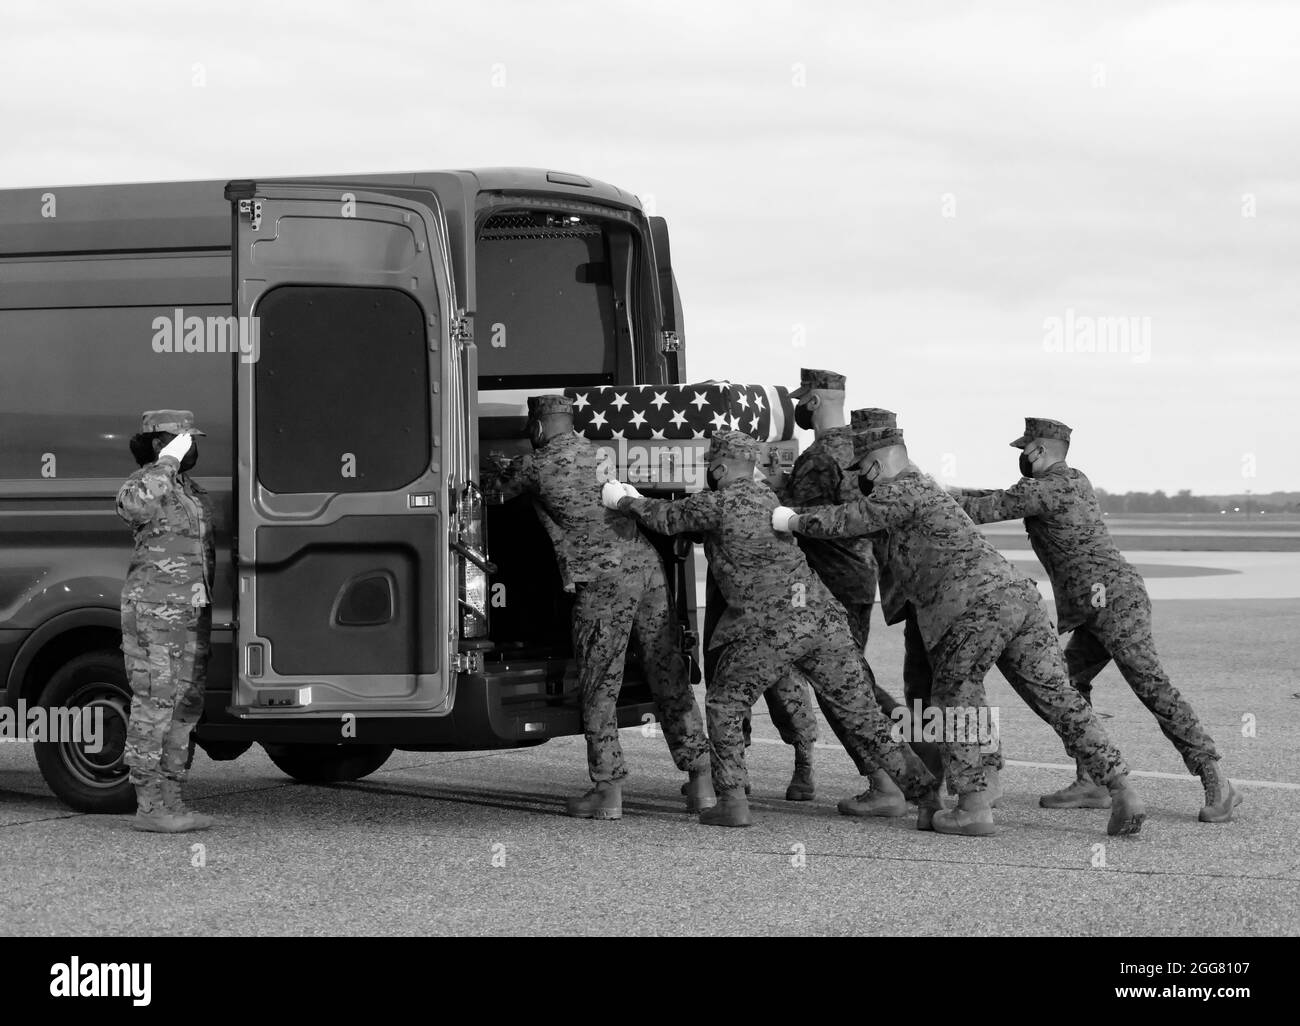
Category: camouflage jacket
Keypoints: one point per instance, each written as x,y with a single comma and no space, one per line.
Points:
820,477
1065,526
762,575
893,599
564,476
171,517
936,557
558,542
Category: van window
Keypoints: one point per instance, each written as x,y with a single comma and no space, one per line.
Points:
342,390
546,297
76,380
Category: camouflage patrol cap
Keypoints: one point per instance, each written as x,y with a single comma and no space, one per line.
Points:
811,379
171,421
732,445
872,418
1041,427
545,405
865,442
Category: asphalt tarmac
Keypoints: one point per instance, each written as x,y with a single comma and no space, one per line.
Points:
477,843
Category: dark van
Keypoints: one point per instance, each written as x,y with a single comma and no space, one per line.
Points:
350,346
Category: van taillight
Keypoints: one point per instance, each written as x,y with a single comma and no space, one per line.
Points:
473,578
473,600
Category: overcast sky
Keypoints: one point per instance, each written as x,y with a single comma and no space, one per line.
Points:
933,199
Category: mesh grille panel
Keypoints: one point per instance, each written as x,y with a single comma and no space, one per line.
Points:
536,225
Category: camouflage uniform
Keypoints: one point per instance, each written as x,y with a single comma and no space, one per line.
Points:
821,477
973,610
783,619
166,614
787,700
1100,596
621,589
918,674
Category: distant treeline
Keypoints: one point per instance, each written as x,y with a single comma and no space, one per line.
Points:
1186,502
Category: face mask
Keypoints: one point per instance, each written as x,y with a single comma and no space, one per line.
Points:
1027,461
803,417
714,478
190,458
867,478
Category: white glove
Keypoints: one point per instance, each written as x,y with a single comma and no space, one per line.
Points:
782,517
611,492
177,447
631,492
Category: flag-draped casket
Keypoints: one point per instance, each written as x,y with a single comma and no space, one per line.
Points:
658,434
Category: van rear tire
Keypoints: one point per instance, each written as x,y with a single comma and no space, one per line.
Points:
94,782
327,764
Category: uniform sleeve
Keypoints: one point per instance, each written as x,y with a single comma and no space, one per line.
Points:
558,542
1028,497
517,478
863,516
700,512
817,483
138,500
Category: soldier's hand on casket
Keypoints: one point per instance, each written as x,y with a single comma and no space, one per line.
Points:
177,447
611,492
784,519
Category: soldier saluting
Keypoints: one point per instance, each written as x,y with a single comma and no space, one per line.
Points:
166,616
1102,598
974,610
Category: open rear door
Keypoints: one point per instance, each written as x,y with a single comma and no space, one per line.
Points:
346,454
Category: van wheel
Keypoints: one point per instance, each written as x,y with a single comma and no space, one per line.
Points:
325,764
90,781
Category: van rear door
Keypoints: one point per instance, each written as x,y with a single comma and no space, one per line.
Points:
346,454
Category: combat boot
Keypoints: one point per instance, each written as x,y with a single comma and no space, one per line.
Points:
699,790
604,801
1126,809
800,788
1220,796
926,809
732,810
973,816
175,804
882,798
152,814
1082,794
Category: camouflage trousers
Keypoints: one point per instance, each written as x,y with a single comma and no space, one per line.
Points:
918,680
166,648
818,645
607,612
792,712
1121,630
1012,631
859,617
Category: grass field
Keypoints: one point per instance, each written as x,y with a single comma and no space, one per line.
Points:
1181,532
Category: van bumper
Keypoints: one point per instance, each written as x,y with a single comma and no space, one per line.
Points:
509,707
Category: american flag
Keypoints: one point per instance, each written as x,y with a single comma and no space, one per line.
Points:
645,412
